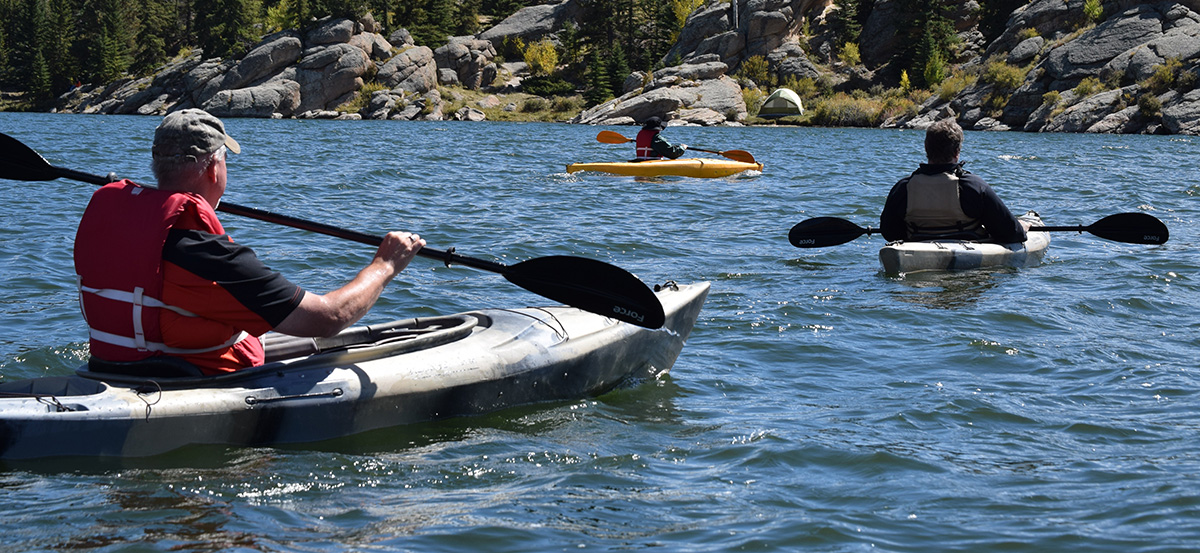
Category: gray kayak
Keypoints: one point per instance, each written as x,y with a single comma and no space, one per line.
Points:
957,255
366,378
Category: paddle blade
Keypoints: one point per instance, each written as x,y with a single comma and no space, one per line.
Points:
610,137
819,232
1133,228
20,162
590,285
739,155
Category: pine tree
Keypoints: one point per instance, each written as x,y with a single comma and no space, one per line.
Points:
155,38
659,32
568,37
930,32
63,67
845,22
617,69
598,85
105,45
466,17
223,27
298,13
39,71
5,68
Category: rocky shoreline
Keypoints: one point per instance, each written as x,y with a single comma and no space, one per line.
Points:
1135,71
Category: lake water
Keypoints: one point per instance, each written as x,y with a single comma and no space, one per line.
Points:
820,405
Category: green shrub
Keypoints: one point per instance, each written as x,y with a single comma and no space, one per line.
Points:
361,100
935,70
544,85
1027,33
754,98
843,110
535,104
850,54
682,9
542,57
1164,76
1149,105
897,105
804,87
1088,86
756,69
567,104
1051,98
1093,11
956,83
1112,79
1004,76
1186,80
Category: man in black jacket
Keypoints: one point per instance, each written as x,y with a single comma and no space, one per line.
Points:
941,200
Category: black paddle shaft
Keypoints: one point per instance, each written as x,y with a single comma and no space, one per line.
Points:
587,284
1131,228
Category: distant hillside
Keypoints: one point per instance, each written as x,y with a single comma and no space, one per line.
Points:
1048,65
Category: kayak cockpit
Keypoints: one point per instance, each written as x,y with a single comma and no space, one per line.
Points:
50,387
285,353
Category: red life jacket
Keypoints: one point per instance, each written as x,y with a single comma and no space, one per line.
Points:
118,260
644,149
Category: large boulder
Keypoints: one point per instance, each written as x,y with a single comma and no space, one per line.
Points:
413,69
1086,55
789,61
373,44
699,99
466,61
1179,39
1081,116
264,60
533,23
327,74
331,31
265,100
1183,116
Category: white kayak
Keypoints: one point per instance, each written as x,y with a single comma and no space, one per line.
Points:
366,378
956,255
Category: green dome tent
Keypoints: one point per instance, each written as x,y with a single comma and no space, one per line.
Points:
781,103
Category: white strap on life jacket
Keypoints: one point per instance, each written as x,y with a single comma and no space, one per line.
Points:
138,341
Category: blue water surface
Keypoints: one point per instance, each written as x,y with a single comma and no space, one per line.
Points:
820,405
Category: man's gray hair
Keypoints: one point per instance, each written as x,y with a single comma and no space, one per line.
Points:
943,141
179,172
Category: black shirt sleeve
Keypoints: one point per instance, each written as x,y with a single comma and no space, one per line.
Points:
236,269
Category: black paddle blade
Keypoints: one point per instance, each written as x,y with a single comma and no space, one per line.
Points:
20,162
590,285
1133,228
819,232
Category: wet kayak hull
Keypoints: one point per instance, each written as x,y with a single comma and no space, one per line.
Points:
405,372
692,167
958,255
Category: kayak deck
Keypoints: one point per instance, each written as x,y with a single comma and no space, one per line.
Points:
957,255
366,378
689,167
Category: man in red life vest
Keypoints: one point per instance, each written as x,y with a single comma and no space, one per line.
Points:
159,277
943,200
651,145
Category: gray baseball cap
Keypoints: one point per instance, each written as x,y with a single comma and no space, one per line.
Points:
191,132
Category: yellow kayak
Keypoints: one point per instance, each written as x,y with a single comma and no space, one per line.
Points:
693,167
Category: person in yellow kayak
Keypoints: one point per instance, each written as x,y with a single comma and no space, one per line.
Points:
941,200
651,144
159,278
